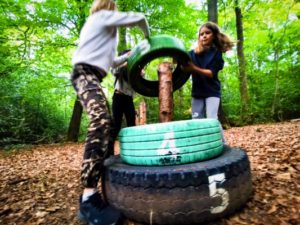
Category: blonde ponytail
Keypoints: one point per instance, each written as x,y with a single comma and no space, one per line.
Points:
102,4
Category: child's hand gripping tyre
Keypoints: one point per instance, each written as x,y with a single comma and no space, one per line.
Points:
171,143
182,194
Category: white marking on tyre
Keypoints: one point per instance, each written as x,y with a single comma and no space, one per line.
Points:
171,152
215,192
151,216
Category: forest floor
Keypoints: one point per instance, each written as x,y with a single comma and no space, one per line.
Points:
41,185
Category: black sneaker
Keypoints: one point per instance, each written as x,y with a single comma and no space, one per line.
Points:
95,212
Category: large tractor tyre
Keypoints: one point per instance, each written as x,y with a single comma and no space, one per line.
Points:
183,194
148,50
171,143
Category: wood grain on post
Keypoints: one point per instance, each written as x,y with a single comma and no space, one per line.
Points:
143,113
137,118
165,92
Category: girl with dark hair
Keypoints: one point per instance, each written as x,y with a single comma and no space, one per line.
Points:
207,61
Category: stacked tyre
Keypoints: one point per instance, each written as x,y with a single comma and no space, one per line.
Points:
177,173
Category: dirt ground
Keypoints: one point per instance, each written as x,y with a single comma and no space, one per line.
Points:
41,185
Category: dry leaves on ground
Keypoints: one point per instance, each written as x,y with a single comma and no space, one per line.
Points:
41,185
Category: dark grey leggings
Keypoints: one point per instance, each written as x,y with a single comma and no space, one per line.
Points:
206,108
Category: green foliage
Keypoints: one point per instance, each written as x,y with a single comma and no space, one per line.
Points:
271,46
34,91
33,108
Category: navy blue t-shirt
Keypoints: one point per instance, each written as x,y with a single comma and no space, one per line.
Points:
204,86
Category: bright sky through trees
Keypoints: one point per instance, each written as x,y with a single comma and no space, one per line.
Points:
196,3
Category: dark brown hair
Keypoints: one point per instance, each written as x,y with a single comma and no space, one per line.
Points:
220,40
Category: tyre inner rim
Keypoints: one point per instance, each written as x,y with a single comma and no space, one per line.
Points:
150,88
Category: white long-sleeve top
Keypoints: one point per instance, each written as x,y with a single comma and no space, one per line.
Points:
98,37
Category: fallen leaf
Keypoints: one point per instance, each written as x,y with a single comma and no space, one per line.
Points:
284,176
41,214
273,209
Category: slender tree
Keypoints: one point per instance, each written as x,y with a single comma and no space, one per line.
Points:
212,7
122,45
241,62
277,47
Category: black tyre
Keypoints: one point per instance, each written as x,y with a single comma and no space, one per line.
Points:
148,50
183,194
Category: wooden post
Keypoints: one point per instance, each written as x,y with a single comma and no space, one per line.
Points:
137,118
165,92
143,113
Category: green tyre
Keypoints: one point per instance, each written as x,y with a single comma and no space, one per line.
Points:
182,150
162,128
177,135
171,158
148,50
171,143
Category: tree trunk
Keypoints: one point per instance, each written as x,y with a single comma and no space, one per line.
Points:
137,117
122,45
212,7
122,39
241,62
276,91
143,113
277,48
165,92
181,98
74,126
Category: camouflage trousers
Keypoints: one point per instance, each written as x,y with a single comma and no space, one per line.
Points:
99,144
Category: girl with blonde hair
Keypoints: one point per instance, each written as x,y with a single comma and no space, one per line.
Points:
92,60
